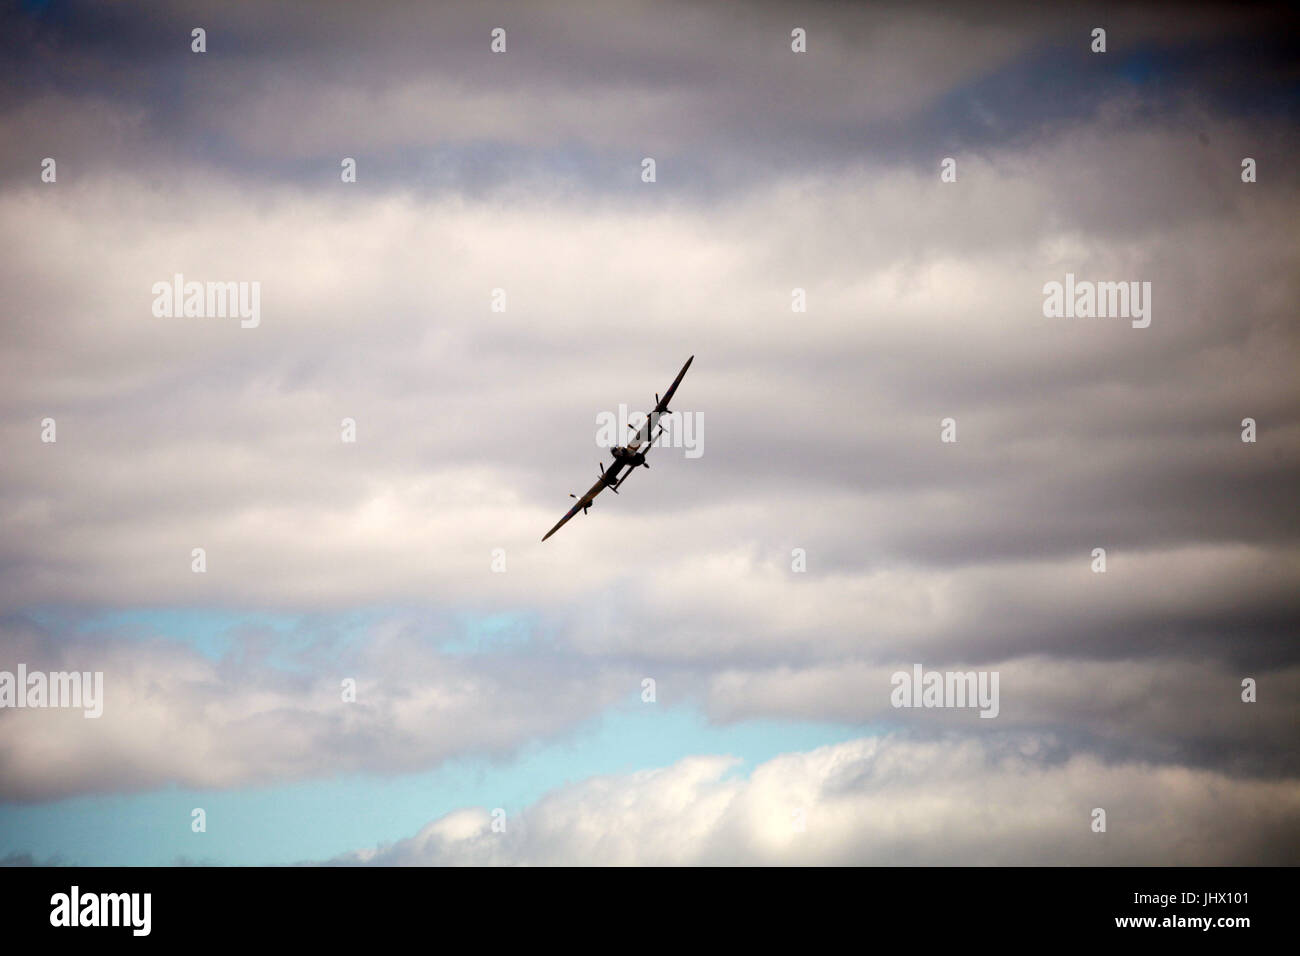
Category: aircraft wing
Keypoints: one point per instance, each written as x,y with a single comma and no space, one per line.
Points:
668,395
585,500
643,433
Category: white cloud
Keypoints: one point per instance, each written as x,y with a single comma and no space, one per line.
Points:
174,716
882,801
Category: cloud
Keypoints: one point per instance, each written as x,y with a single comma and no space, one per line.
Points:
173,716
821,432
821,428
882,801
1073,433
1166,710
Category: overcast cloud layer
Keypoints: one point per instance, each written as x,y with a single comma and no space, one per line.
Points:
820,430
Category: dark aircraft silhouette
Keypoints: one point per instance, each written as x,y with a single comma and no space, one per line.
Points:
630,456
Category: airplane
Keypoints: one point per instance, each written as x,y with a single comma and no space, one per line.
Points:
630,456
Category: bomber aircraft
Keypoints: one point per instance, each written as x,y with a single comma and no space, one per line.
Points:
630,456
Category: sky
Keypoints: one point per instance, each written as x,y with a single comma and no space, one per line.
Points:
380,663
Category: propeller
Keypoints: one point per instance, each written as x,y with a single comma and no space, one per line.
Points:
650,418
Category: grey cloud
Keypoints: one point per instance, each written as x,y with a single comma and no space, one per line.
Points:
821,429
1162,710
284,91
